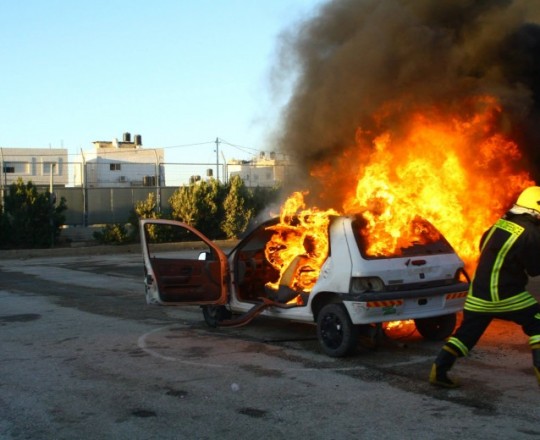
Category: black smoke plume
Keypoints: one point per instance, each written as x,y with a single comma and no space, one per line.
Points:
355,56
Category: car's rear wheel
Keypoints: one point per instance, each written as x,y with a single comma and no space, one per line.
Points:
336,333
213,315
436,328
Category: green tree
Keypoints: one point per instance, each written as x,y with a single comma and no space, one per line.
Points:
263,197
200,205
31,219
120,233
144,209
220,210
238,211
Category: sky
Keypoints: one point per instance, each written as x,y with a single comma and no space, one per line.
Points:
180,73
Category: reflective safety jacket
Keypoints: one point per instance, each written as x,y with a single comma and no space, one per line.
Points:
510,253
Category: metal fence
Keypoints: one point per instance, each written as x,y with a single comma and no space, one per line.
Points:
106,193
91,206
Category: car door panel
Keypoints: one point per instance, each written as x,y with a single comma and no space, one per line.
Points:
174,275
187,280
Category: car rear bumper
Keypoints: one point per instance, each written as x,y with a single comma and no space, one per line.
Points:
395,306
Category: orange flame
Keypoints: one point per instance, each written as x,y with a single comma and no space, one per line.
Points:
300,239
452,169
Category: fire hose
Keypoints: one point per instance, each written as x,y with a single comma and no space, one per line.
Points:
252,313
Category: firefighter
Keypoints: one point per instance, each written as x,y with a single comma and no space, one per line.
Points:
509,255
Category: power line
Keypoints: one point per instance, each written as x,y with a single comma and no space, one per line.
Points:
240,147
42,153
189,145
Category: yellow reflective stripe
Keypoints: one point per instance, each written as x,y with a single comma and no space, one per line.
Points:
460,345
515,231
510,227
534,342
451,351
491,231
516,302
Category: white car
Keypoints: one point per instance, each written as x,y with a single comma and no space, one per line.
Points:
424,282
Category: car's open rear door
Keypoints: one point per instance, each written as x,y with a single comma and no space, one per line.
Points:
174,272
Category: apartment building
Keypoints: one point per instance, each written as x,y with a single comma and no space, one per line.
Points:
120,164
266,170
41,166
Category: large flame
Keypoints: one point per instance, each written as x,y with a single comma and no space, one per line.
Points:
300,239
451,168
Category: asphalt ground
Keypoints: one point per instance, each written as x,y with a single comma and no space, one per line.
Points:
82,356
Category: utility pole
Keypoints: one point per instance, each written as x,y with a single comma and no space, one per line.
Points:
217,159
52,202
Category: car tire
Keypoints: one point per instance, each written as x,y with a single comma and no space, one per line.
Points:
336,333
436,328
213,315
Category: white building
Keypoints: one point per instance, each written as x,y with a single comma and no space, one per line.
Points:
121,164
265,170
41,166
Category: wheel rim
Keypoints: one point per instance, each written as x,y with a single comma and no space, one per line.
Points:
332,331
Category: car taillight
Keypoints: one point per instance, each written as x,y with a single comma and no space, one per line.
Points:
462,275
366,284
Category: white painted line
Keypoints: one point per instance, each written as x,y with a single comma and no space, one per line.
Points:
143,345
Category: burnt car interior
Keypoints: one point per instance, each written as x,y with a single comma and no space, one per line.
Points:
253,271
429,240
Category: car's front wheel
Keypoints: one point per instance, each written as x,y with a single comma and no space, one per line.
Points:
436,328
336,333
213,315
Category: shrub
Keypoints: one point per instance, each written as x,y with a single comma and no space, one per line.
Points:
200,205
143,209
31,219
112,234
238,212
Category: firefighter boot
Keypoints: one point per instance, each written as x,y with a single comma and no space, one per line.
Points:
536,361
443,363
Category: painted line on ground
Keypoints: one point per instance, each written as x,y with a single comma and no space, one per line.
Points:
142,343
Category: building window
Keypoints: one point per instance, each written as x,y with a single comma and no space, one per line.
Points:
9,169
115,167
47,168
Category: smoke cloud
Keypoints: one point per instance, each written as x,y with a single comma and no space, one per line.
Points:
354,57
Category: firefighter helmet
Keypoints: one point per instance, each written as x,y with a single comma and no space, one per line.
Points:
530,198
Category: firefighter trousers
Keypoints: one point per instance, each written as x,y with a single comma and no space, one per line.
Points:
474,325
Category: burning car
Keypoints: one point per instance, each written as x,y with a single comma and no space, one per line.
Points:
331,280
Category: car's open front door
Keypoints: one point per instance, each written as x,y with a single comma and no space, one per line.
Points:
175,273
